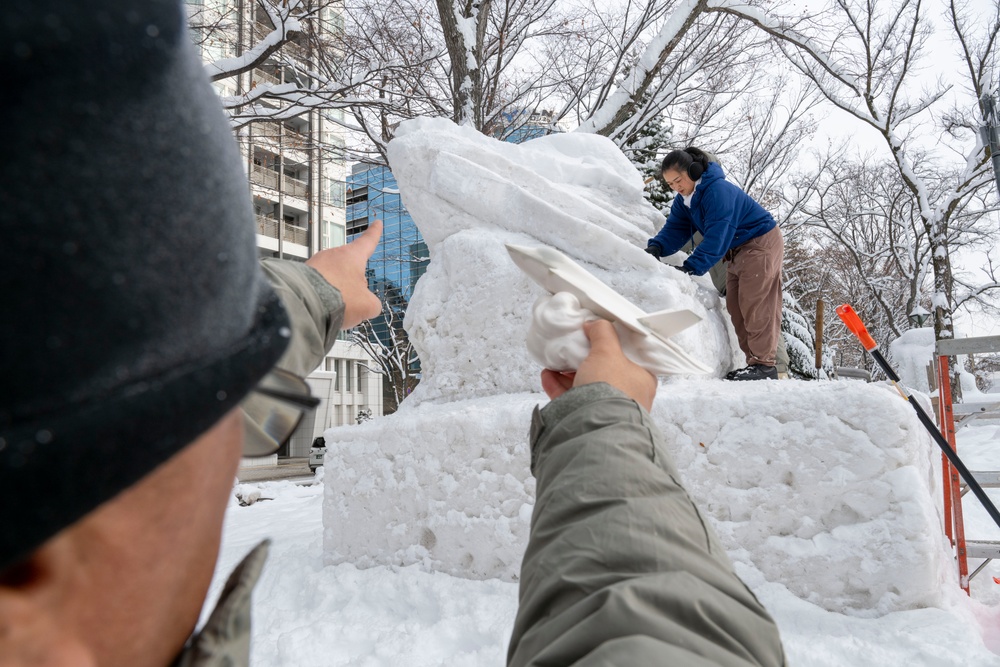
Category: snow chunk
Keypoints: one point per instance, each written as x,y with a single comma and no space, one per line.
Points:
911,353
824,487
445,486
469,194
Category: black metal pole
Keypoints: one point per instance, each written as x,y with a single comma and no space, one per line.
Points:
989,132
940,440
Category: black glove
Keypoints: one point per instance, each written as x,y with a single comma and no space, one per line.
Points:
683,268
653,250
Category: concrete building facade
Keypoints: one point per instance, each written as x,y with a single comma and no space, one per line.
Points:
297,177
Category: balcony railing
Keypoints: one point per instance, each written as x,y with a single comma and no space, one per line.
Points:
267,130
260,76
296,188
293,234
289,137
296,139
269,178
263,176
267,227
261,30
296,51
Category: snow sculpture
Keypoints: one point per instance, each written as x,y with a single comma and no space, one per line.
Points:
822,488
445,481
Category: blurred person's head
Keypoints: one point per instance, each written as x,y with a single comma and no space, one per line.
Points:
135,319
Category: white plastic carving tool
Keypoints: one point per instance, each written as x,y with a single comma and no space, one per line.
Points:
555,272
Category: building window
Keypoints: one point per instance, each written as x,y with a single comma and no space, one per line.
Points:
357,195
357,225
333,235
363,373
337,193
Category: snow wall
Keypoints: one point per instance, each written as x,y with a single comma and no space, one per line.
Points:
823,487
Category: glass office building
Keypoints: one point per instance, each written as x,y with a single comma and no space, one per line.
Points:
401,257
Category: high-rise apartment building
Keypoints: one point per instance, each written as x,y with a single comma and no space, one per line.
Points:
294,160
400,259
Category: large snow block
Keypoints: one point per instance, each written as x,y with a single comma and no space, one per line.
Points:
446,486
828,488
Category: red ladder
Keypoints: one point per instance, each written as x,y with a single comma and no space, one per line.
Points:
953,487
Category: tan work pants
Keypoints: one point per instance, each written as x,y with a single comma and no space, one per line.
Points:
753,296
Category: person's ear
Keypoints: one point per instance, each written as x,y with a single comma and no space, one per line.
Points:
32,629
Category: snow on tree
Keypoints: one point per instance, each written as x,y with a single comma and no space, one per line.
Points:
864,59
386,341
646,150
797,330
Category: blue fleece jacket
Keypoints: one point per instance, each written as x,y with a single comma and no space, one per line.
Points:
725,215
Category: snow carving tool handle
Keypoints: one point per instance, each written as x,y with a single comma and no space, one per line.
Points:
857,327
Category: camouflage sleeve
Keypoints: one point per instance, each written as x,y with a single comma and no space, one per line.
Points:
225,639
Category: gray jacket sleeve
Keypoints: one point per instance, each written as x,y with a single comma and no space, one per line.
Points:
315,308
620,568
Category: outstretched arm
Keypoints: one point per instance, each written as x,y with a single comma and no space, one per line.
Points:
676,231
621,568
326,294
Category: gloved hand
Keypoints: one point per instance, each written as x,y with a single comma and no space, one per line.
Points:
683,268
653,250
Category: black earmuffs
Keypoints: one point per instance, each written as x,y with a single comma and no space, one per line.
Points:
695,169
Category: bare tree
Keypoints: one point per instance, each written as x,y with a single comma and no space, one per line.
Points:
614,68
863,59
263,35
385,340
481,63
866,210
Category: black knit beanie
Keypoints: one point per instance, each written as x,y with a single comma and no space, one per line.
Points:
133,313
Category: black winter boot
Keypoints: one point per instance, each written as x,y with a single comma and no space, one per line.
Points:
754,372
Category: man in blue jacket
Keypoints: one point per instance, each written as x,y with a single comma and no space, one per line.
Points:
735,228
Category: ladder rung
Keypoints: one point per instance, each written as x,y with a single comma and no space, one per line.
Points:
982,549
980,409
988,479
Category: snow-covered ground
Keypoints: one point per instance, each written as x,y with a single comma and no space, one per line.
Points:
826,495
310,615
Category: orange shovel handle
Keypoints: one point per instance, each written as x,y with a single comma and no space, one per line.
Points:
853,322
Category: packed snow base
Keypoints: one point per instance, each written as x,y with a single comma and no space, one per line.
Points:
309,614
447,486
824,487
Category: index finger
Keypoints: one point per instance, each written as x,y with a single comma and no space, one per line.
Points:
369,238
